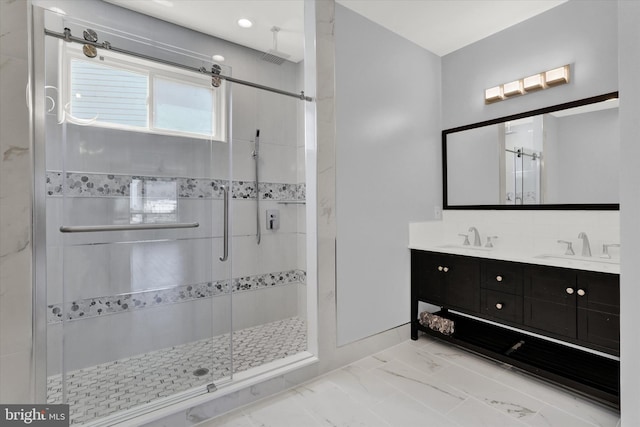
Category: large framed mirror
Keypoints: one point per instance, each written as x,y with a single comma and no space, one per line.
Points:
562,157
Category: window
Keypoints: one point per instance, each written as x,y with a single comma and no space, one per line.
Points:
118,91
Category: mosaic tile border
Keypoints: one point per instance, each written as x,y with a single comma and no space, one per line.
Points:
95,307
107,185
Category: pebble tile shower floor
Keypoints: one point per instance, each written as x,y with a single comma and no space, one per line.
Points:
108,388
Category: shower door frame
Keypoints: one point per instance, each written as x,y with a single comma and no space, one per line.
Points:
37,102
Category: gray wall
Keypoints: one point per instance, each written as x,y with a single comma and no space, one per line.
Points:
580,33
388,169
582,157
629,33
473,172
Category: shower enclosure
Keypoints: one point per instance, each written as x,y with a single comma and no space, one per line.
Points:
521,178
156,287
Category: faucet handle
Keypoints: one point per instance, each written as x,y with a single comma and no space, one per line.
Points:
569,250
605,249
466,239
489,242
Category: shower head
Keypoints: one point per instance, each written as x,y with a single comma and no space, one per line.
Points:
274,55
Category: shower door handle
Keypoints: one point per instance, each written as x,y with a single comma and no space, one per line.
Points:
225,238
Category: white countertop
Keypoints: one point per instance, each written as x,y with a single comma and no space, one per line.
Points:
430,237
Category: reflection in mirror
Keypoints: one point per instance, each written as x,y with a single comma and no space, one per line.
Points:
566,156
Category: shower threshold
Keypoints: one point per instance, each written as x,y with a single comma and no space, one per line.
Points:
106,389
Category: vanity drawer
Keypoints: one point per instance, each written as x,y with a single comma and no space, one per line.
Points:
501,305
502,276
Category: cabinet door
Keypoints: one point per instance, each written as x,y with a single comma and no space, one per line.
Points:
426,280
550,300
599,309
462,283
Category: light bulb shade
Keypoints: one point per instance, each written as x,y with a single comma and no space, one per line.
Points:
557,76
535,82
512,88
493,94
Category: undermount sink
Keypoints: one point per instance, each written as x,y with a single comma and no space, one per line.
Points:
579,258
469,247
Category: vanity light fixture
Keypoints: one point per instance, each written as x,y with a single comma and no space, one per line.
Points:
557,76
218,58
512,88
543,80
493,94
535,82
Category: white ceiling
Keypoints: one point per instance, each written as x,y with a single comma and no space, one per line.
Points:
440,26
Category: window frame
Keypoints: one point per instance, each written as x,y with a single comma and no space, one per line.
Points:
151,70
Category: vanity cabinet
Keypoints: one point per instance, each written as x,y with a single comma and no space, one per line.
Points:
550,301
599,309
447,280
520,313
577,306
501,290
582,306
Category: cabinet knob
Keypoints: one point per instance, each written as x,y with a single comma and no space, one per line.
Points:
581,292
445,269
570,291
499,306
439,268
498,278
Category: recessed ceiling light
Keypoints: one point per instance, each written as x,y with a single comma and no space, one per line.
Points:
218,58
245,23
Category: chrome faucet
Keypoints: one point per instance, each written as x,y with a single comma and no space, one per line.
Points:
586,249
476,236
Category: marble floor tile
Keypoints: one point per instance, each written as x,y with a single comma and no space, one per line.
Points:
549,416
333,407
416,357
461,357
368,363
360,385
399,410
281,411
428,389
475,413
495,394
464,390
564,400
231,420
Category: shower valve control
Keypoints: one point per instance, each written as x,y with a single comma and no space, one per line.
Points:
273,219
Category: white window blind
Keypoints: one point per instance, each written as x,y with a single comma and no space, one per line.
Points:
108,94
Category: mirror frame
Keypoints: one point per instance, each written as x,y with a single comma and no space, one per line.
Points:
572,206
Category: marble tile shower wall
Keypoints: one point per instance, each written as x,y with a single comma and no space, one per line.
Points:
126,272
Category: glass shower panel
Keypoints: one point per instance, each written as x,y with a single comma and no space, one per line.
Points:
139,301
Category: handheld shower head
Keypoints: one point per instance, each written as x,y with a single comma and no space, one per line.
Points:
256,145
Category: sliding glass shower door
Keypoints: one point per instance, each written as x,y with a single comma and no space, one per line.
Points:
138,157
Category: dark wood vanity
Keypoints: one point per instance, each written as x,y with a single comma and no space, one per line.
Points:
537,318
